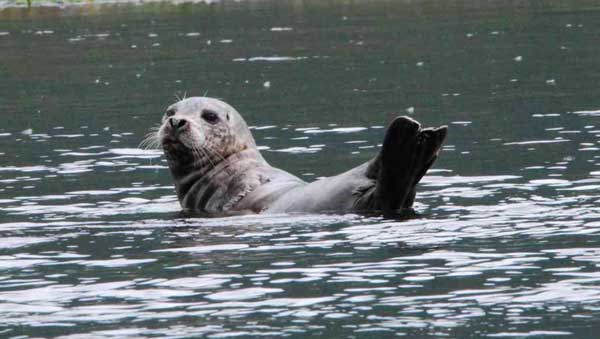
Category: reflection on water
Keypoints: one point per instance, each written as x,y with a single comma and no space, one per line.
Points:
506,244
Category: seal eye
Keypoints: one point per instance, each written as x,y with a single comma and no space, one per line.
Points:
170,112
210,116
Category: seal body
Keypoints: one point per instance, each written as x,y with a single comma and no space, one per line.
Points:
218,170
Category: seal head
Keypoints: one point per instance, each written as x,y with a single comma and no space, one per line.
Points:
211,154
208,127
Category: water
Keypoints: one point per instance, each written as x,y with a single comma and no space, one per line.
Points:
93,244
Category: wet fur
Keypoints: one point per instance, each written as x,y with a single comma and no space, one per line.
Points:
217,169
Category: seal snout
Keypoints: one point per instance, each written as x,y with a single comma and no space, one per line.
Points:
173,127
173,130
177,124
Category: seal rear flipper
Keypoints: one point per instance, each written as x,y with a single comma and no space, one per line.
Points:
432,140
407,153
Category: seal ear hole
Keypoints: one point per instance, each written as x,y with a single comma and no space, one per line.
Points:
227,116
210,116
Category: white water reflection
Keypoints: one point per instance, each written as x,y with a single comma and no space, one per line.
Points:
505,243
262,258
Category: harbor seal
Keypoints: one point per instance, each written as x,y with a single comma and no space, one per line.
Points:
218,170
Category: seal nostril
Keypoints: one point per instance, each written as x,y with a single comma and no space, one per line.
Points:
181,123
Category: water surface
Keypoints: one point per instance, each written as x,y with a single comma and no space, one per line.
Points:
92,241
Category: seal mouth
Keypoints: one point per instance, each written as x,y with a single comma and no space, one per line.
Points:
167,140
171,143
168,137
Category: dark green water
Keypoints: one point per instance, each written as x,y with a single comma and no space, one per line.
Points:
91,241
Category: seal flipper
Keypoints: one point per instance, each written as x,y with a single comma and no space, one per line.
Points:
407,153
431,140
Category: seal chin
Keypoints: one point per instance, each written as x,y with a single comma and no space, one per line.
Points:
171,145
172,137
171,140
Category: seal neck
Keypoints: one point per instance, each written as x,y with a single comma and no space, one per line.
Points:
207,166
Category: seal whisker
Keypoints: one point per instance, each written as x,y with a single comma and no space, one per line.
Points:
209,156
149,137
214,152
201,158
144,144
211,151
206,156
213,157
150,141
